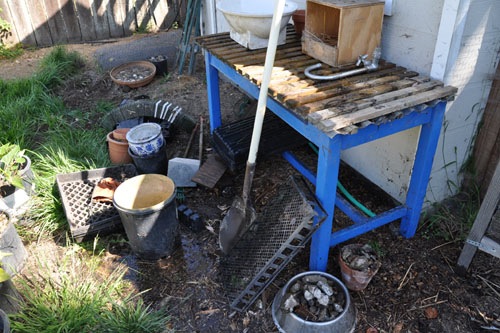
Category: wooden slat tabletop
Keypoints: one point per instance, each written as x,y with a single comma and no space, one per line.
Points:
331,105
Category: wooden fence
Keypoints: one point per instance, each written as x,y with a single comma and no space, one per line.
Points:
51,22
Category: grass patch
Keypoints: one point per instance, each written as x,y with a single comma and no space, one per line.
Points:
75,298
32,117
453,218
11,52
69,294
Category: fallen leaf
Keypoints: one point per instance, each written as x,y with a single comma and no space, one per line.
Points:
246,321
431,313
371,330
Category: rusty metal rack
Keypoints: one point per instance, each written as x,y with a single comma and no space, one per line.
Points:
335,116
282,229
87,218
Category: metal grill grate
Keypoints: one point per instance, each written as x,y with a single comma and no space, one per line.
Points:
86,217
278,234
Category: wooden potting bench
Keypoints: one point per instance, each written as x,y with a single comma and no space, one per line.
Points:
336,115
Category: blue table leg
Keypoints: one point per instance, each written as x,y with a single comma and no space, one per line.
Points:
213,93
426,149
326,189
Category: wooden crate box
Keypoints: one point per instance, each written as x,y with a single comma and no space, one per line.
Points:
337,32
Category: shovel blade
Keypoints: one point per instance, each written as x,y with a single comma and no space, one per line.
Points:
237,220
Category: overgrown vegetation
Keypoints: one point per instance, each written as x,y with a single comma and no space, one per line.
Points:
78,299
38,121
452,219
66,296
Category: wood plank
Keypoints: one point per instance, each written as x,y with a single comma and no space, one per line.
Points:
142,14
486,151
384,109
87,28
490,246
129,22
336,96
210,172
56,22
119,13
39,23
294,96
21,19
115,28
259,58
483,218
284,73
298,84
323,115
100,18
70,20
160,11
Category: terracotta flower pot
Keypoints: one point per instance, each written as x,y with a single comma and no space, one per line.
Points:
356,279
120,134
118,150
299,19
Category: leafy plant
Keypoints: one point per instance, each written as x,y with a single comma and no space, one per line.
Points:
7,52
11,163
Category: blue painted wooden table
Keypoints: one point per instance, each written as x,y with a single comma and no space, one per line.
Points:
337,115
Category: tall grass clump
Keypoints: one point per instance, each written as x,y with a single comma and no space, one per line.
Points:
57,66
32,116
70,296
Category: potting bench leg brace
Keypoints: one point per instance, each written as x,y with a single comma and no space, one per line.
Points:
326,177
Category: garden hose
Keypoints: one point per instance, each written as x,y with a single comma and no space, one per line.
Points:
345,193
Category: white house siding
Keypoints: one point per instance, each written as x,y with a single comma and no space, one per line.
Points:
411,37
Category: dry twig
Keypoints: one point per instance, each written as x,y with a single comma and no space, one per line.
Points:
402,283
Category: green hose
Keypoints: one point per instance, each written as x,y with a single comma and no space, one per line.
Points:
348,195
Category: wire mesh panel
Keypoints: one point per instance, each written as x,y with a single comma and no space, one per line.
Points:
85,216
279,233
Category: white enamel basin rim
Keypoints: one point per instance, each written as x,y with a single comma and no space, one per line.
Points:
253,8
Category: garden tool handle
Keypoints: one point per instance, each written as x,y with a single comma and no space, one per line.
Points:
268,68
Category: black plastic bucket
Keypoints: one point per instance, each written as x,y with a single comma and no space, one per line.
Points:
154,163
146,204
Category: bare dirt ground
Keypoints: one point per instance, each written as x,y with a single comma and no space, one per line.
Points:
415,290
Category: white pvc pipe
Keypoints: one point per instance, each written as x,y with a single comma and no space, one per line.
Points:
268,68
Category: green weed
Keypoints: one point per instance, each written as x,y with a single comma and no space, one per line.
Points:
452,219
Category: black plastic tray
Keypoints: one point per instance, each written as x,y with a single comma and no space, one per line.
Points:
232,141
87,218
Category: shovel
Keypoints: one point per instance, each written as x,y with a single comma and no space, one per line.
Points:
242,214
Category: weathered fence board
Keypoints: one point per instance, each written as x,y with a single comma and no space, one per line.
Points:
115,19
100,19
39,22
50,22
56,22
20,16
87,28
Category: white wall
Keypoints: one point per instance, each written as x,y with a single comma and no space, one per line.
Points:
454,40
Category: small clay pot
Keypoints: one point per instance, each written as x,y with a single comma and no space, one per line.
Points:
299,19
118,150
120,134
356,280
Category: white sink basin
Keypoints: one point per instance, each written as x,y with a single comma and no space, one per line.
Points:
250,21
